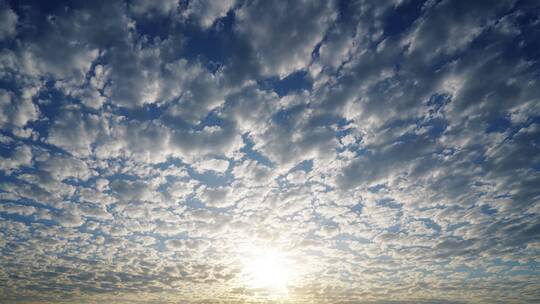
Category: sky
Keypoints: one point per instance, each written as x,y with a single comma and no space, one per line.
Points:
197,151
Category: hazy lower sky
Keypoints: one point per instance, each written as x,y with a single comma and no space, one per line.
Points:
229,151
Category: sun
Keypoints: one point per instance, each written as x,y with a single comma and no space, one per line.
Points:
268,269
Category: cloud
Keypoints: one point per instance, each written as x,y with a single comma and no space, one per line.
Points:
445,22
75,131
206,12
17,112
22,156
390,151
9,22
144,6
216,165
69,219
218,197
284,36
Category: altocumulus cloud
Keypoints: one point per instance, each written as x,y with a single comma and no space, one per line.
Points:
387,151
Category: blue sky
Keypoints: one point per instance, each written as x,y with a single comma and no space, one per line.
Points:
269,151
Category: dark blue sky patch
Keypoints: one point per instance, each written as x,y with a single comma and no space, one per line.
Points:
210,178
389,203
402,17
145,113
253,154
305,166
209,45
498,125
294,82
486,209
154,27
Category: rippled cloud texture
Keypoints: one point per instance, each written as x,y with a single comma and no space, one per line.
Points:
386,151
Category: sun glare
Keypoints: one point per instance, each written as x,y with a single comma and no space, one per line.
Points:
268,269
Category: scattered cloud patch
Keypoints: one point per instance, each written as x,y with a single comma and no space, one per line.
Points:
385,152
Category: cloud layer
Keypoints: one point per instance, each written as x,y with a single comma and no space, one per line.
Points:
389,149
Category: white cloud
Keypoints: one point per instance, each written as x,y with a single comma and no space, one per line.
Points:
22,156
75,131
17,111
206,11
8,22
283,36
146,6
217,197
216,165
144,147
69,219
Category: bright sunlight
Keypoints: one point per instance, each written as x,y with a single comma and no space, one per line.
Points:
268,269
